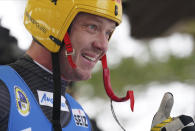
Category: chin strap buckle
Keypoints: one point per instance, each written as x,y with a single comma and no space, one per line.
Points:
69,50
69,53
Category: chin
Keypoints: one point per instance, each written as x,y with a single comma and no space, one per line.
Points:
87,78
82,74
83,77
78,76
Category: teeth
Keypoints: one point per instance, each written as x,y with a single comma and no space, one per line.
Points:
89,58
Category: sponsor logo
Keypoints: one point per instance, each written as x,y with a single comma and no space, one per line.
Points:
46,99
80,118
22,102
33,21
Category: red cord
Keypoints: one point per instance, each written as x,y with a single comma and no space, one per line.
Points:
108,87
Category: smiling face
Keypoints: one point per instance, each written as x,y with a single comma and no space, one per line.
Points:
89,37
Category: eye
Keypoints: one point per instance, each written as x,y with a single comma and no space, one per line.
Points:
92,27
108,34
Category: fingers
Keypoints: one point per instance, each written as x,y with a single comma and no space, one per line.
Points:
164,110
161,125
166,104
183,122
163,122
175,125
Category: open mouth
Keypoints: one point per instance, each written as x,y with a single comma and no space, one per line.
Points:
89,58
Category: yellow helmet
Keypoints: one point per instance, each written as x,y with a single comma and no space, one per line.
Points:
49,20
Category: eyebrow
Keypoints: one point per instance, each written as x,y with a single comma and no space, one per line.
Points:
98,20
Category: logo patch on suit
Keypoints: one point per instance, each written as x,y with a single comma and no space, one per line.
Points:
22,102
46,99
80,118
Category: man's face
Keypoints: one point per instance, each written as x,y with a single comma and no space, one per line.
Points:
89,37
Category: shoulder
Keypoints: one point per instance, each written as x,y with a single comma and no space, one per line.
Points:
74,105
4,106
4,93
80,116
72,102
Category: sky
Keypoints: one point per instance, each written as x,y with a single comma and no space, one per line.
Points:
11,15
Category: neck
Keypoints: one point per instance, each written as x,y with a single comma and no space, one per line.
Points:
40,54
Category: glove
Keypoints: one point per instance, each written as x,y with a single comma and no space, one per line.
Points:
163,122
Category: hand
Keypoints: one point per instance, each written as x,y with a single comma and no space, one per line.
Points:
163,122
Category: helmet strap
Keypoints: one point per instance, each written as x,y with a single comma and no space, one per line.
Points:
57,81
57,92
69,50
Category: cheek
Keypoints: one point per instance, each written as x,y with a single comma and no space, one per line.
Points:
78,46
80,39
63,58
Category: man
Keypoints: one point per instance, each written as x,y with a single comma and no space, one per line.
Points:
69,37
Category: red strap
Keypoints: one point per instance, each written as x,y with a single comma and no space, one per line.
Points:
71,62
108,87
69,50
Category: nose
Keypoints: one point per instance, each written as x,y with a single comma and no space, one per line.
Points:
101,43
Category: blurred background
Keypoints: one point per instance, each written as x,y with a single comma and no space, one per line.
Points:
151,52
